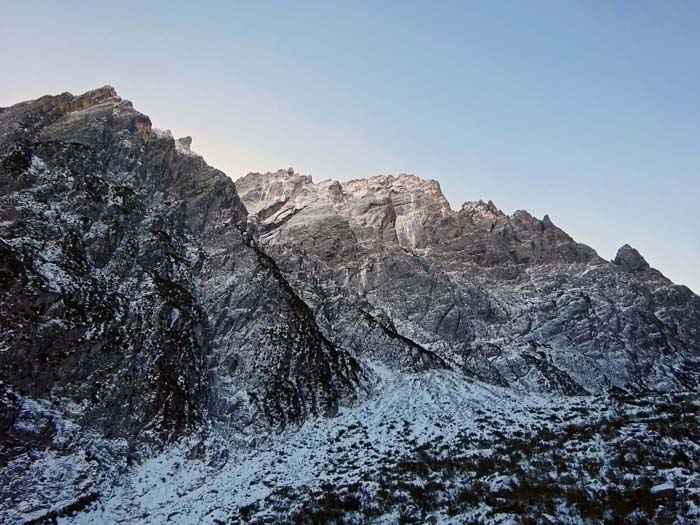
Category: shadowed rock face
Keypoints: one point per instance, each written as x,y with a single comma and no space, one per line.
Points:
129,289
512,300
630,259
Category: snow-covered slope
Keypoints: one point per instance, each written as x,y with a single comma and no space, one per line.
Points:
426,447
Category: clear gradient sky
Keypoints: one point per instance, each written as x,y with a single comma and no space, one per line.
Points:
586,110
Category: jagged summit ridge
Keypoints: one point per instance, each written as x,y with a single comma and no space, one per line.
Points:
394,208
406,210
509,299
630,259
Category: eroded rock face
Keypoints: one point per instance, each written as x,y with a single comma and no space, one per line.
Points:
131,284
158,322
130,288
511,300
631,259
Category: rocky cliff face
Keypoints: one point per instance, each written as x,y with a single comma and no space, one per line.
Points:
159,327
511,300
131,288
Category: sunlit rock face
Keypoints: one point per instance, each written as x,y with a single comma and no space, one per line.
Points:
508,299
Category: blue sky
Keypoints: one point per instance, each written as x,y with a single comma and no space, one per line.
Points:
588,111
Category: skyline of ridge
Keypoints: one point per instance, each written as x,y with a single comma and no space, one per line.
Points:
453,206
588,112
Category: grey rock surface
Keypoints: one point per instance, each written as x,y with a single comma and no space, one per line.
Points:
178,348
630,259
130,285
511,300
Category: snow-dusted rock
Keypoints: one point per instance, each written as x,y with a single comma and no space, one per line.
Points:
130,285
172,346
512,300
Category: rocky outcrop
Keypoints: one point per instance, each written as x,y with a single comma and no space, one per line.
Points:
630,259
509,299
131,289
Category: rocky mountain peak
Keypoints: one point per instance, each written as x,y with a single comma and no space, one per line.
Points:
630,259
269,191
95,119
404,211
384,207
128,273
411,186
185,143
97,96
482,209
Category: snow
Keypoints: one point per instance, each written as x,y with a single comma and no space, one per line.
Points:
405,411
37,165
662,487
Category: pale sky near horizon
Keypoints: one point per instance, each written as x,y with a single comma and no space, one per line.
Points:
588,111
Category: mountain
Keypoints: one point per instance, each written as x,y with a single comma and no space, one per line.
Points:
180,348
510,300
